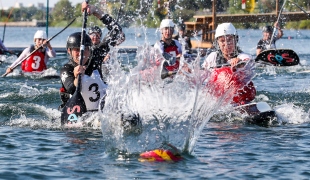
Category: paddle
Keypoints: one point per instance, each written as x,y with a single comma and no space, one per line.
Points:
3,33
169,59
301,9
39,47
259,113
75,107
275,28
278,57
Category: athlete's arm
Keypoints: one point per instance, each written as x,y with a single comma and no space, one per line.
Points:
115,35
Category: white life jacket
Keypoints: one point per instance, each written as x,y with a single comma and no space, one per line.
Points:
93,90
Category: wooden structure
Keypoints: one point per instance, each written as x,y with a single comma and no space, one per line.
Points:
208,23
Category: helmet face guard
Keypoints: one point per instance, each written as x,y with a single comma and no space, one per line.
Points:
227,46
226,40
74,41
95,29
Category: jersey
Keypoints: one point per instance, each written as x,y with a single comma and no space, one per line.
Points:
265,44
223,80
93,87
35,63
174,49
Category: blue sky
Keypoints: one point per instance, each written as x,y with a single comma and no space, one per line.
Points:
11,3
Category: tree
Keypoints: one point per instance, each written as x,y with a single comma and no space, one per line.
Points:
63,11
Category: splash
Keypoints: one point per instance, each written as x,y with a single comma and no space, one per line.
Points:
171,111
289,113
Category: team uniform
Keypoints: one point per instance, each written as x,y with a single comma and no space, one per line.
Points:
265,44
174,49
223,79
93,87
36,62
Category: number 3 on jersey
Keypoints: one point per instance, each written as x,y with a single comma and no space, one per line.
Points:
94,88
36,62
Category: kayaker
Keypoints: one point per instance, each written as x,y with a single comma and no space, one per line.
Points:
93,86
223,78
101,48
264,43
169,51
37,62
170,48
181,36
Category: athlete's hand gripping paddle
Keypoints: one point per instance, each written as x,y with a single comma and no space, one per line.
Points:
38,48
75,107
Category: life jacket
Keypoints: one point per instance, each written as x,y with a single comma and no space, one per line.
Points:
35,62
172,49
93,90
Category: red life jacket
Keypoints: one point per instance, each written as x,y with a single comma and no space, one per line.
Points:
224,81
35,63
172,49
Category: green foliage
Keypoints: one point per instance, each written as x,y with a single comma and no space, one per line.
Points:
63,10
147,13
303,24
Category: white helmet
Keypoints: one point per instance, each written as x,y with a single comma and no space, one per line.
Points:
225,29
166,23
39,35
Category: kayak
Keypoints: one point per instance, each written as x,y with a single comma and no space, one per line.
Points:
49,73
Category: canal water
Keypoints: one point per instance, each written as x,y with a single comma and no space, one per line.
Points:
35,146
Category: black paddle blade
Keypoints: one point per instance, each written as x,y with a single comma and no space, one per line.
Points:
260,114
164,73
74,108
278,57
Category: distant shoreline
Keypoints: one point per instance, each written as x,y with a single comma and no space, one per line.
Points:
33,23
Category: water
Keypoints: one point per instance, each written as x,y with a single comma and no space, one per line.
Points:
34,146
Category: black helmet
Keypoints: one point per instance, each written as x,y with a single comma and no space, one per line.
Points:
182,27
74,40
267,29
95,29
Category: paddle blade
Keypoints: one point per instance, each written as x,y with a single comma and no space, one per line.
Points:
278,57
74,108
259,113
